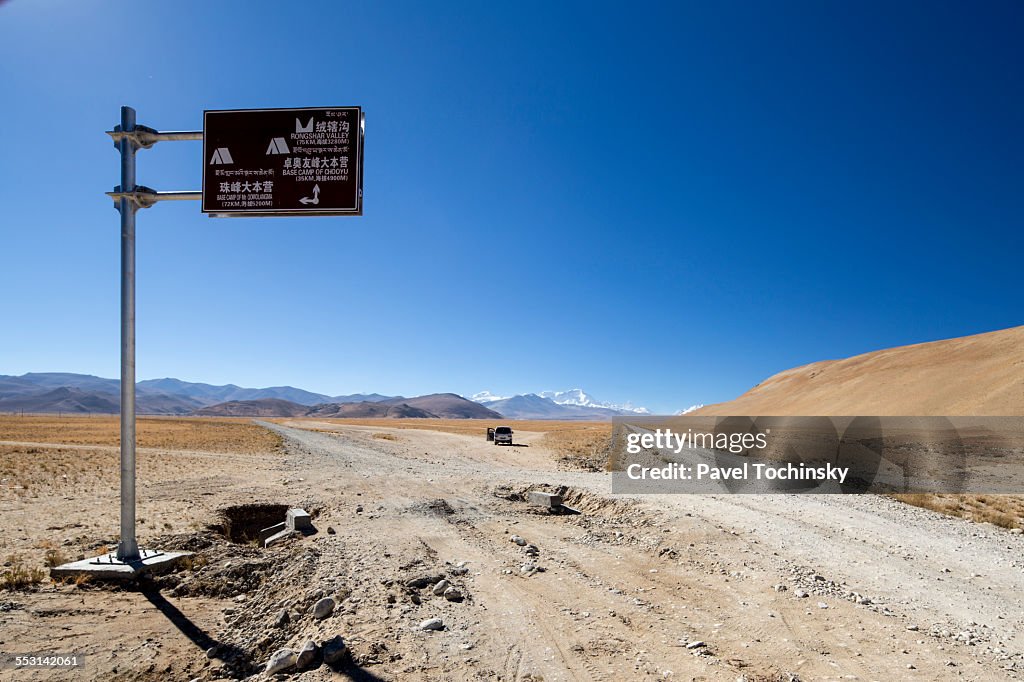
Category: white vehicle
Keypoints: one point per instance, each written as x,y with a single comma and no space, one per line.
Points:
500,434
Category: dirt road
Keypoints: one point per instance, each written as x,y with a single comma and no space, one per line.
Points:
673,587
629,583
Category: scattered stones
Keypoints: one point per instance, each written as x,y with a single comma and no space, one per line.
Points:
211,652
307,655
696,645
323,608
527,568
453,594
330,530
1016,531
822,605
440,587
432,624
801,594
334,649
518,540
282,618
781,588
281,660
913,628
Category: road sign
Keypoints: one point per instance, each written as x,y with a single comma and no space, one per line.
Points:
281,162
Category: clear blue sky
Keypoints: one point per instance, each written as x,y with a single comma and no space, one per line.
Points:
658,202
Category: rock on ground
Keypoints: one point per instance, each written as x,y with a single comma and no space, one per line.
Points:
281,660
432,624
323,608
307,655
334,649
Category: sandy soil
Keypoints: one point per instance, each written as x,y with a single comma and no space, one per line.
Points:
628,586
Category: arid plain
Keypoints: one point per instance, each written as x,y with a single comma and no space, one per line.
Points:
669,587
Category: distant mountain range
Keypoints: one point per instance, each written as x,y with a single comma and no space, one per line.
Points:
436,405
571,404
84,393
52,392
210,395
65,392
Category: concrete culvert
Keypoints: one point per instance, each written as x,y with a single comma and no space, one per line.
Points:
242,523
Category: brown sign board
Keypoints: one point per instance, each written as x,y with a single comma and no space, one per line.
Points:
283,162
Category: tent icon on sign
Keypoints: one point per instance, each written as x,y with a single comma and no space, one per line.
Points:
221,156
308,128
278,146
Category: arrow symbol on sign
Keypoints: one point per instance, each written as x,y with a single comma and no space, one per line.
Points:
315,199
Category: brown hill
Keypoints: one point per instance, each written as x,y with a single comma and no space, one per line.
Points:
368,410
447,406
105,400
264,407
973,375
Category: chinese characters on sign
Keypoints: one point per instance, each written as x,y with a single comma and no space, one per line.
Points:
276,162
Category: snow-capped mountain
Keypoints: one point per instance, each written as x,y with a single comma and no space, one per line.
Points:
484,397
576,396
572,404
688,410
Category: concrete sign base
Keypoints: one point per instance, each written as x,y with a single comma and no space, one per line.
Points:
108,567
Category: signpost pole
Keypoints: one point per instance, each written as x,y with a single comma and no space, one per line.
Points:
127,548
335,134
128,198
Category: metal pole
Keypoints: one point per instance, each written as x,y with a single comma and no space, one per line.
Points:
127,548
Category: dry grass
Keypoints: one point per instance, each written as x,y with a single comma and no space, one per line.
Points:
60,485
54,557
465,427
384,436
171,433
32,472
1006,511
586,447
18,576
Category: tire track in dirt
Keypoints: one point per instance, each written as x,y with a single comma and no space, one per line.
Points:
715,585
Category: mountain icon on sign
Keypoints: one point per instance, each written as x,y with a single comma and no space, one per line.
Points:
308,128
278,145
221,156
